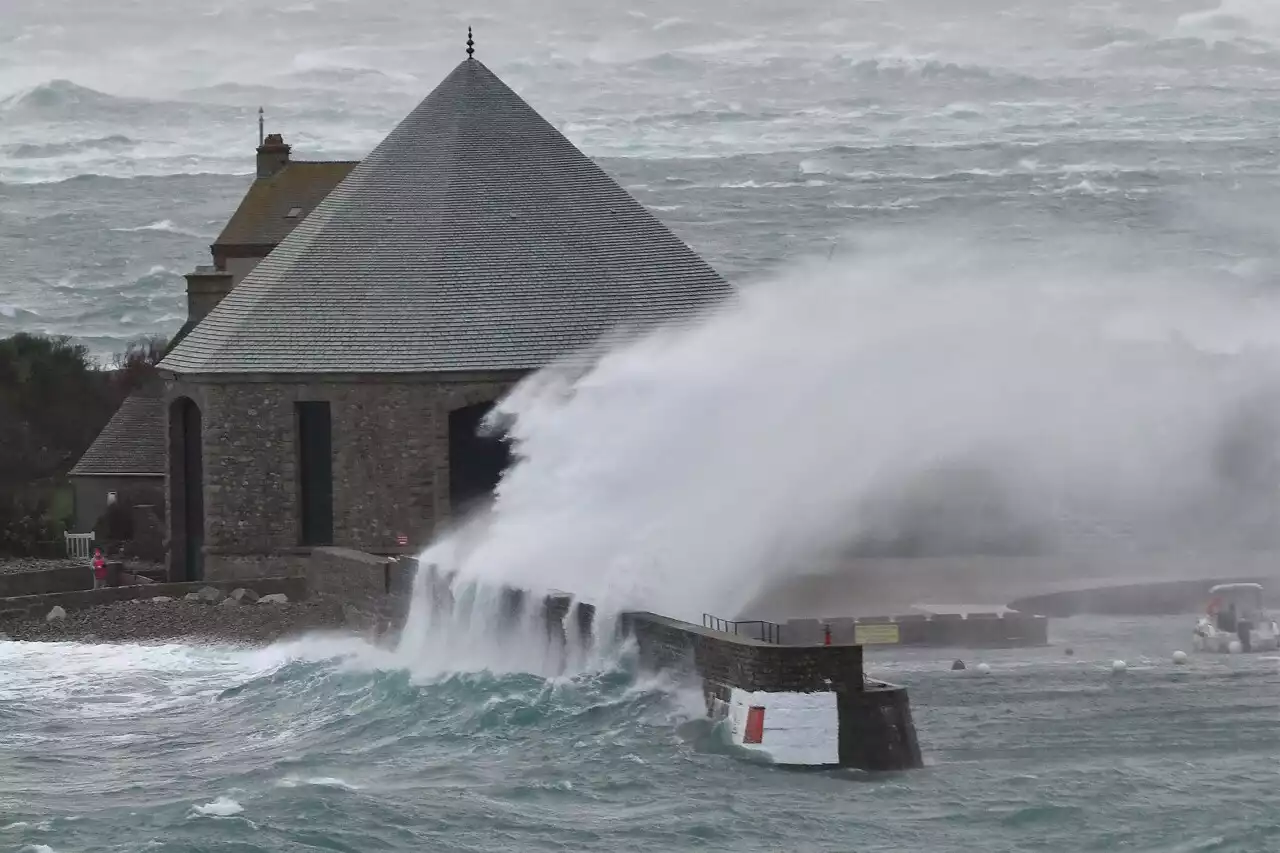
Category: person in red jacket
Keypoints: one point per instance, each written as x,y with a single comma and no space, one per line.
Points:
99,569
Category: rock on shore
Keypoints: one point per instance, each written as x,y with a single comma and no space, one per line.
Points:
17,565
145,619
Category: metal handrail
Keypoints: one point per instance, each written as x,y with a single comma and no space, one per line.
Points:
767,632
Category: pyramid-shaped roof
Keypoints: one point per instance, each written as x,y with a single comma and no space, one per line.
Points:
474,237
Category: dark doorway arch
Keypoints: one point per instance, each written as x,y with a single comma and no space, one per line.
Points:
477,458
186,491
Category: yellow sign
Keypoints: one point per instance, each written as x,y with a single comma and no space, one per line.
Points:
884,633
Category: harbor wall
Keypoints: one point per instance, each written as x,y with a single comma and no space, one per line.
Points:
814,704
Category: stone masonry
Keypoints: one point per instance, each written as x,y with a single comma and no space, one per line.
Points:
744,663
390,445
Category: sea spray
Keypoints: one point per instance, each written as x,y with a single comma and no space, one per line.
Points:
463,625
926,398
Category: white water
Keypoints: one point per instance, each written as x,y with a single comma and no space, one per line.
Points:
870,399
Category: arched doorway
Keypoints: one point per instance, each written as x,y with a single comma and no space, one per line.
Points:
477,458
186,492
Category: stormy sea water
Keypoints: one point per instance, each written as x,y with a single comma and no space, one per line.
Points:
963,169
331,745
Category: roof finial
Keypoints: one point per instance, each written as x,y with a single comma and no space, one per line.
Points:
471,45
262,128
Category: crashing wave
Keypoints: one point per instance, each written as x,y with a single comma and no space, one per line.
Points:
34,151
55,95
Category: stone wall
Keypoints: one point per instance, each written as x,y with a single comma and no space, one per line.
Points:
65,579
374,590
744,663
285,562
390,445
876,731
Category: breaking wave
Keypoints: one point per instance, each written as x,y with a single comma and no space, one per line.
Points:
35,151
60,96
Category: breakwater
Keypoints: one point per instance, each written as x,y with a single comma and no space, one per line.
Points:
800,705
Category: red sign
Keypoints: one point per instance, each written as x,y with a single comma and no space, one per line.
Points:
755,725
402,540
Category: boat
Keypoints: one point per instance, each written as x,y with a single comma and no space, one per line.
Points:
1234,621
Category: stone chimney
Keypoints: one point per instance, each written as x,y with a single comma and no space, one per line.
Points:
273,155
205,289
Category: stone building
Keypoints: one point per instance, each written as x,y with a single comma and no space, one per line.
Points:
128,456
126,459
333,397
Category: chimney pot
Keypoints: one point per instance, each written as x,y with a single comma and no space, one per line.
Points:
273,155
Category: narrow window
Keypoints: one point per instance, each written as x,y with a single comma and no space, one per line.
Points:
315,472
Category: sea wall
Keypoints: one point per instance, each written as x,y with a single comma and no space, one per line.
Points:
872,727
374,591
39,582
970,630
736,661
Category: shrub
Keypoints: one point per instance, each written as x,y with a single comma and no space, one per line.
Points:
27,528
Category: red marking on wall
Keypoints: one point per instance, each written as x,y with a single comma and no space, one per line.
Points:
755,725
402,540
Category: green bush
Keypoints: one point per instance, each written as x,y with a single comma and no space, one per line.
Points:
28,527
54,401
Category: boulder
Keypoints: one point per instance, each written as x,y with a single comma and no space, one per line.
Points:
274,598
159,598
229,602
244,596
57,614
210,595
191,596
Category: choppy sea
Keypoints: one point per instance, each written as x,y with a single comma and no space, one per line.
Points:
763,133
332,745
1136,135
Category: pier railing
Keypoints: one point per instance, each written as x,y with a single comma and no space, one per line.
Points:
756,629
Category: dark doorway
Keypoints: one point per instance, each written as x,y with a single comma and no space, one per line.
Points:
476,458
186,470
315,472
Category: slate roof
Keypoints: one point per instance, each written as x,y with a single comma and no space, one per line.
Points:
262,219
474,237
132,442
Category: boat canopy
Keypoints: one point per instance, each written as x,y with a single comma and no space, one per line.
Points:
1229,588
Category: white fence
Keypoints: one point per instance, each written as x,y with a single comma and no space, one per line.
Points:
79,545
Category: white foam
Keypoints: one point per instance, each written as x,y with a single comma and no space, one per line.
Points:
686,470
221,807
318,781
163,225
